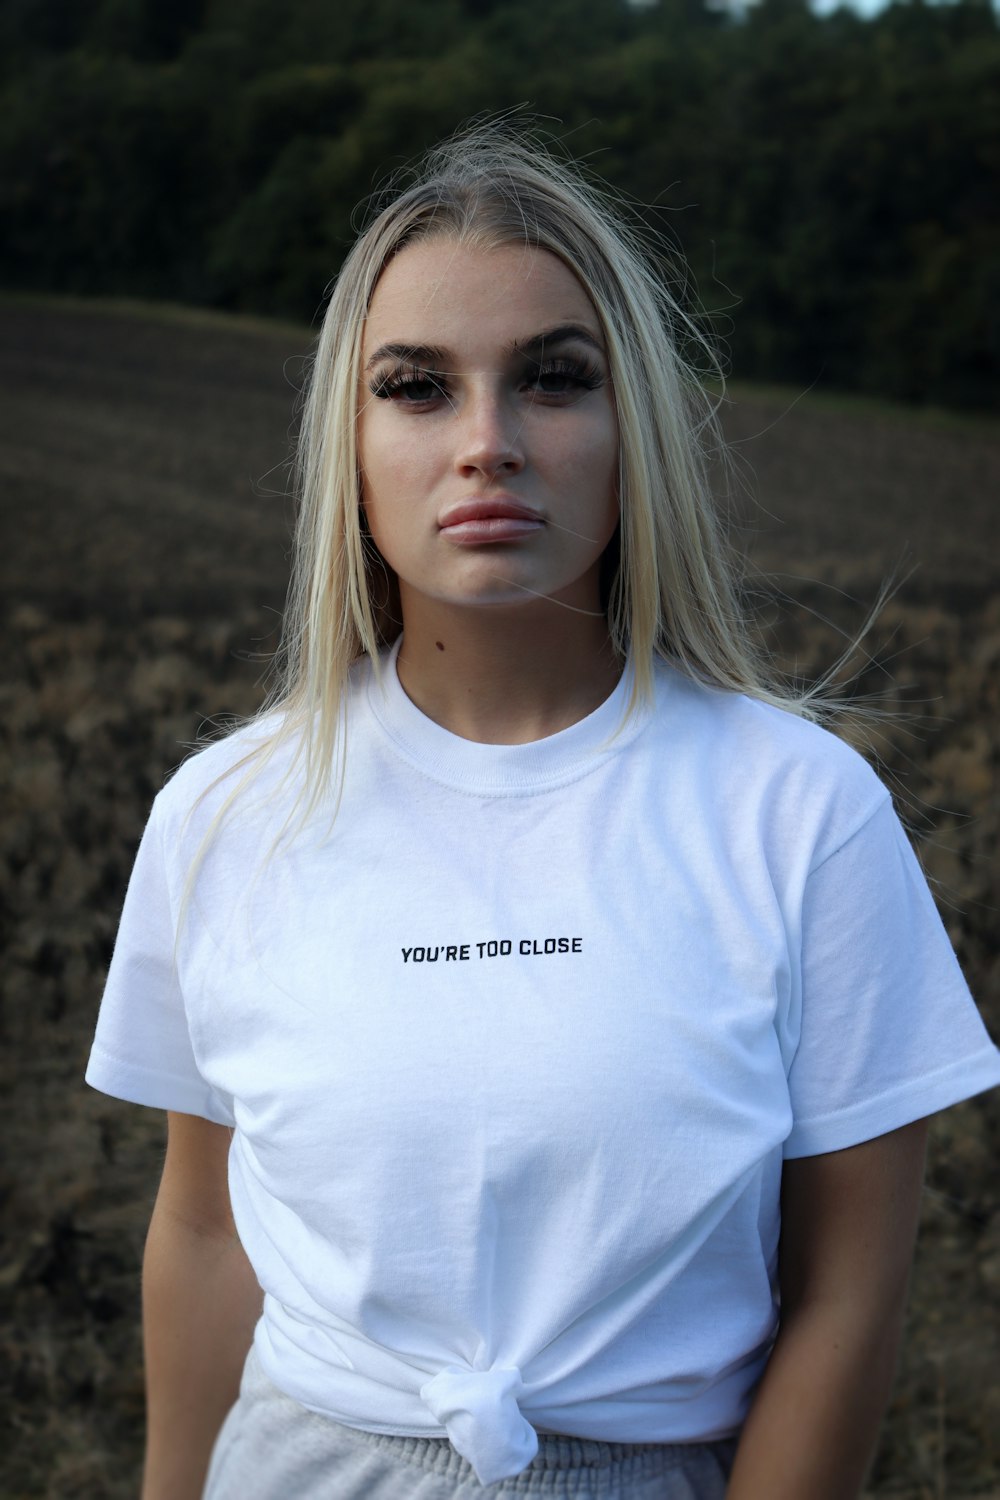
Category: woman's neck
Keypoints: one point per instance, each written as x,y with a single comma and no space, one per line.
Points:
505,676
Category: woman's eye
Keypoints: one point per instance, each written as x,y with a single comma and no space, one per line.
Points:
566,378
410,387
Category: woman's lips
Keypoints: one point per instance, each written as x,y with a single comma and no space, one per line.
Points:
478,521
490,529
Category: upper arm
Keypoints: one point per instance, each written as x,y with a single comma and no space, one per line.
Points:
849,1222
195,1183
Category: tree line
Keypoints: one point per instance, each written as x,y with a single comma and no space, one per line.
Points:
831,181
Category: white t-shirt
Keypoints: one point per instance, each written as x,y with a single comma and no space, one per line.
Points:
514,1052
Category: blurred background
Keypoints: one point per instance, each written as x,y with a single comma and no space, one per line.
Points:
178,186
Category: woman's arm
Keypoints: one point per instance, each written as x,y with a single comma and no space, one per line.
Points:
200,1302
849,1221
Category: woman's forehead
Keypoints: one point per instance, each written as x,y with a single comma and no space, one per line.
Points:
446,292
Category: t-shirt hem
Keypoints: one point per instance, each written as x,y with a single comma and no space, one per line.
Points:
911,1101
138,1085
345,1395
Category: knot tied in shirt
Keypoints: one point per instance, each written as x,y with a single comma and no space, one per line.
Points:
478,1409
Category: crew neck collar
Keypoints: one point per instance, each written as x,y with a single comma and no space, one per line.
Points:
501,769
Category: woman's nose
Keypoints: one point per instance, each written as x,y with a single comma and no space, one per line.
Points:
490,437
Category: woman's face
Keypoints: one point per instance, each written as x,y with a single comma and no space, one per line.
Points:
487,432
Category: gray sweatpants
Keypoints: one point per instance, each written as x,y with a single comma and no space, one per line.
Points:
271,1448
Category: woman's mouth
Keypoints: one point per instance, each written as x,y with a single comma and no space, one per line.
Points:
474,522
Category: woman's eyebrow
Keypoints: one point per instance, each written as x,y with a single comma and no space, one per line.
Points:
563,333
412,354
432,356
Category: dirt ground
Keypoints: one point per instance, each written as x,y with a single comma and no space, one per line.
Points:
142,568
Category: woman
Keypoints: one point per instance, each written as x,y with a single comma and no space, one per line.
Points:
534,958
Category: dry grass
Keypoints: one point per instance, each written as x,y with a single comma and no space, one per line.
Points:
142,565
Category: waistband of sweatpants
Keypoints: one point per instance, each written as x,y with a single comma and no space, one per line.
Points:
623,1462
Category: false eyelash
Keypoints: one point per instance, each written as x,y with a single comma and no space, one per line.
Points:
403,377
395,381
582,371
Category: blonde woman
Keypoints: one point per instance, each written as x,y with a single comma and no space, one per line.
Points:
547,1010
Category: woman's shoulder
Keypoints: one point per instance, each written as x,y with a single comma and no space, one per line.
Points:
254,774
739,717
257,754
760,753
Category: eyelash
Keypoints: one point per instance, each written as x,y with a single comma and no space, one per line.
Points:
406,380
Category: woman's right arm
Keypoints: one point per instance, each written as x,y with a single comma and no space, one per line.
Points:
200,1301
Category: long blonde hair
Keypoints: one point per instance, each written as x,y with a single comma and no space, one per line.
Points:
674,586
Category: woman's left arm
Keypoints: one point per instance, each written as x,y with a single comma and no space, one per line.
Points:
848,1225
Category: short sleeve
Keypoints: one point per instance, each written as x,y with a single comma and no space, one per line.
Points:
886,1030
142,1047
